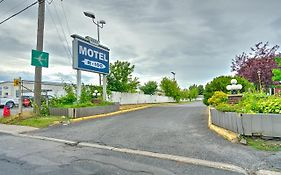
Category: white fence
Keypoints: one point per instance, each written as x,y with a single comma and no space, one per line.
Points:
137,98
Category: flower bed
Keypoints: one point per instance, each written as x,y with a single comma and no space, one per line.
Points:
84,111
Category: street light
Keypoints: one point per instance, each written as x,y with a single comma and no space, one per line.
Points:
90,15
96,94
174,75
259,76
99,25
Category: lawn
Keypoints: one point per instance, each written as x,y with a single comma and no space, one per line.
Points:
33,121
264,145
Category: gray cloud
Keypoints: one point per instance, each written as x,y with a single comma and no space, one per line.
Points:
195,39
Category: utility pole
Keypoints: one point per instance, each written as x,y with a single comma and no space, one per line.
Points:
39,47
98,32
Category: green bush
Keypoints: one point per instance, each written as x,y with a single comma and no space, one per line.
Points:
271,105
224,107
220,83
218,98
70,100
252,103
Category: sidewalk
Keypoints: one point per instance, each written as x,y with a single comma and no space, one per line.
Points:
15,129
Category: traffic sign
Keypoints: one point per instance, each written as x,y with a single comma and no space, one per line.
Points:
17,81
39,58
90,57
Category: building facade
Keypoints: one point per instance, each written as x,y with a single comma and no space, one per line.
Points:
7,89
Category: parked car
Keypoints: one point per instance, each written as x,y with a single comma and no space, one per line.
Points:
10,102
27,100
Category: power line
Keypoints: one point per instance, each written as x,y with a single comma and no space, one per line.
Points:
18,12
59,21
50,2
67,24
58,33
14,7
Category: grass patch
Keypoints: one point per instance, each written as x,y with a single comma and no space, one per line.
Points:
5,120
33,121
39,122
264,145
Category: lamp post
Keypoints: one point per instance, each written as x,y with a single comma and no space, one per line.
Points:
259,76
99,25
96,94
174,75
234,87
234,98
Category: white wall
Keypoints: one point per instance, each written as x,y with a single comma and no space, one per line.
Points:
8,88
137,98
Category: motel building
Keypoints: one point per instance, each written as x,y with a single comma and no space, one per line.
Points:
8,90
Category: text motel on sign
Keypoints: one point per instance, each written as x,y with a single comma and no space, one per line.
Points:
92,53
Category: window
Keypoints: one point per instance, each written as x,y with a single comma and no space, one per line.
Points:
17,93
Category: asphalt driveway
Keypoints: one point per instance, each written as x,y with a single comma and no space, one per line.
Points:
173,129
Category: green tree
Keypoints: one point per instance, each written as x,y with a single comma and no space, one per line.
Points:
220,83
171,88
149,88
277,72
200,89
193,92
120,77
184,94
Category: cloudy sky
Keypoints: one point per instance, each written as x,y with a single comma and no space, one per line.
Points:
194,38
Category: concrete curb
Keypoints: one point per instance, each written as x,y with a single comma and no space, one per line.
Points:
186,160
266,172
229,135
15,129
109,114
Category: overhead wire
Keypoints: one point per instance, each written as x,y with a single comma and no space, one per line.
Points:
15,6
18,12
58,33
65,17
50,2
62,28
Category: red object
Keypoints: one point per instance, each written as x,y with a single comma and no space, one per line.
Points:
277,91
6,111
26,102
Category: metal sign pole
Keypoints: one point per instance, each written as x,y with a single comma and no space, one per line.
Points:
104,95
20,96
78,92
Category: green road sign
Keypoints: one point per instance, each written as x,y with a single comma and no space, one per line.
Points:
39,59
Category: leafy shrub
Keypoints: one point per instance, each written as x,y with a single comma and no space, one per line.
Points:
220,83
252,103
218,98
270,105
224,107
70,100
44,111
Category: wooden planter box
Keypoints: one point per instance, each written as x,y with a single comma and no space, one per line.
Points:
85,111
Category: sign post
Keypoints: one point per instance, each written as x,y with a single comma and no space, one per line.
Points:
91,57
